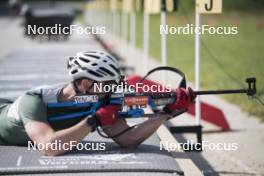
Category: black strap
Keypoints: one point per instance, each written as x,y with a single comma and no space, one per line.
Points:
183,81
75,87
116,135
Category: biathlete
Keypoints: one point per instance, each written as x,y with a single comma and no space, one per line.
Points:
26,119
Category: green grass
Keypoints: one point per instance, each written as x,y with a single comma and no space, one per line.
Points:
240,55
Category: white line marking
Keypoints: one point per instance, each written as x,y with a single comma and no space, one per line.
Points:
19,161
36,76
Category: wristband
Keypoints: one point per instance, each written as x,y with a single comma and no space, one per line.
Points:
92,122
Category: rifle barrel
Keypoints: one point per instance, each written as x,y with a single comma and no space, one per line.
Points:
209,92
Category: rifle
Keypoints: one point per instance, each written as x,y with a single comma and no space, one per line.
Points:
133,103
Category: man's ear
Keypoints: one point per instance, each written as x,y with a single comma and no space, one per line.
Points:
84,84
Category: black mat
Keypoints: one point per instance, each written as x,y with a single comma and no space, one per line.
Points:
47,65
148,158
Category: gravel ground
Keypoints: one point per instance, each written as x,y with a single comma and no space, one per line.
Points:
33,60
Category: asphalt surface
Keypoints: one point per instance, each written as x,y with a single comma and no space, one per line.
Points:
26,63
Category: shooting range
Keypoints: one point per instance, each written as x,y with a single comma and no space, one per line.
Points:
205,57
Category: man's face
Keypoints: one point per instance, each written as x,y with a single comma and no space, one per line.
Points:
102,88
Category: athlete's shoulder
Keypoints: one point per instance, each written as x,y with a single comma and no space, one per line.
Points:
25,105
30,102
48,93
31,107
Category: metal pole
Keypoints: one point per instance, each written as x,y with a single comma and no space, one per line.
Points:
197,69
163,44
113,23
163,40
118,24
124,30
107,20
132,29
104,19
145,38
132,34
124,25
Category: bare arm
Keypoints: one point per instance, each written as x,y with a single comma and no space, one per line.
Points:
137,135
40,132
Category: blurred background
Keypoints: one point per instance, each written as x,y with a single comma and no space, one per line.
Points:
226,60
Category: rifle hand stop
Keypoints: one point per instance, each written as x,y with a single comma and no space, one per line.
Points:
251,86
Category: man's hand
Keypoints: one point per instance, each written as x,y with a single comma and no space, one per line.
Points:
108,114
184,98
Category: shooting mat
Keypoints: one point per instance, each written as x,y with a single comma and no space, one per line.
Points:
147,158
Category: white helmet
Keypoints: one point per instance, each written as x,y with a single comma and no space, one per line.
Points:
95,65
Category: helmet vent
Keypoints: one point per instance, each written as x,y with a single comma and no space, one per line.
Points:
107,71
113,67
84,60
104,60
68,65
94,64
94,73
74,71
101,72
77,63
111,58
89,55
